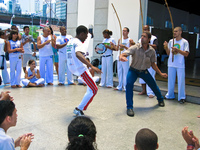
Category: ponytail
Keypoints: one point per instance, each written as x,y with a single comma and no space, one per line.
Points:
107,31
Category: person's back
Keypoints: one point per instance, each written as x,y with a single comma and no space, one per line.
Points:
146,139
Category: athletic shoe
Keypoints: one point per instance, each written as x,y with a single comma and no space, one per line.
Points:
182,101
130,112
78,112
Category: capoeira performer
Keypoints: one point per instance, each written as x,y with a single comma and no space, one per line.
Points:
32,76
180,50
78,64
3,66
143,56
122,67
107,60
95,78
61,44
15,50
44,44
145,88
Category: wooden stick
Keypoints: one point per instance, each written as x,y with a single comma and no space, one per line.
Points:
141,13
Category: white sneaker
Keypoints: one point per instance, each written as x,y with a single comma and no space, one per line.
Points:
78,112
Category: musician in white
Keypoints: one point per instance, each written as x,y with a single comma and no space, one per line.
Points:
26,42
122,67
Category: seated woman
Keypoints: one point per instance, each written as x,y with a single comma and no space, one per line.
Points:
82,134
95,78
32,76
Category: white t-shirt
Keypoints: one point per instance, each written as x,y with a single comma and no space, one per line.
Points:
62,40
107,41
13,45
27,46
2,44
74,64
6,142
126,43
47,49
179,60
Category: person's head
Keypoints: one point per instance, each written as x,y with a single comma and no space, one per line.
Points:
63,30
146,28
177,32
26,30
14,27
46,31
81,33
125,31
145,37
146,139
8,117
81,134
13,35
107,33
31,63
2,34
51,30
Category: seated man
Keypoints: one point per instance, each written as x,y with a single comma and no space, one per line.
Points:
8,118
146,140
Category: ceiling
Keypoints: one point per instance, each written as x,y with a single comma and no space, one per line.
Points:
190,6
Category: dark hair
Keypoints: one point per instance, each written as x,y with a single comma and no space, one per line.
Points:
148,34
25,27
1,33
62,27
127,29
81,29
107,31
146,139
81,134
31,61
6,109
11,33
51,29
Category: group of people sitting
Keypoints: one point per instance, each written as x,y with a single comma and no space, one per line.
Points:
81,132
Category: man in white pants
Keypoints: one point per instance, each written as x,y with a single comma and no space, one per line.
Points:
77,64
180,50
122,67
45,43
61,44
26,42
145,88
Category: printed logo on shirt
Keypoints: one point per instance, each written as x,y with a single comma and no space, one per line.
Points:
177,46
69,53
66,40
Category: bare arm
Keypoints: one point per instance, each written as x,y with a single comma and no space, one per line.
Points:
13,50
123,56
59,46
155,67
38,74
5,46
80,56
53,41
176,50
27,77
165,44
39,45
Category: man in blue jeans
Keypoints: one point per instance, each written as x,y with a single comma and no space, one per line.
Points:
143,57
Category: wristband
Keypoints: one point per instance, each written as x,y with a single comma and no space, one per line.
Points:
190,147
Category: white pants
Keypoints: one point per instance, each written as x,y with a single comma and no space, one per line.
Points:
4,72
171,83
122,71
141,81
107,69
46,68
91,90
81,81
15,65
62,67
38,81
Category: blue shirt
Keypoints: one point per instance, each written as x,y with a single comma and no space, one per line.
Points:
6,142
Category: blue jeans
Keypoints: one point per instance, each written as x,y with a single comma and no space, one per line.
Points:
132,76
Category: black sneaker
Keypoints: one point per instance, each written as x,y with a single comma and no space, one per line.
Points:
161,104
78,112
130,112
182,101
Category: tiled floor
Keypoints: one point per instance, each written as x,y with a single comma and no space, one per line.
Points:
47,111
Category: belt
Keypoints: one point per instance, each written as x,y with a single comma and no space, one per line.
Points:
107,56
131,68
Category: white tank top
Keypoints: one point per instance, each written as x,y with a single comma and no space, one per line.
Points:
13,45
2,44
47,49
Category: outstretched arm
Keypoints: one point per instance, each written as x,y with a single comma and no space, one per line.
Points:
155,67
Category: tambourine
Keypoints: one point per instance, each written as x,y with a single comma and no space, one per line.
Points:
100,48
